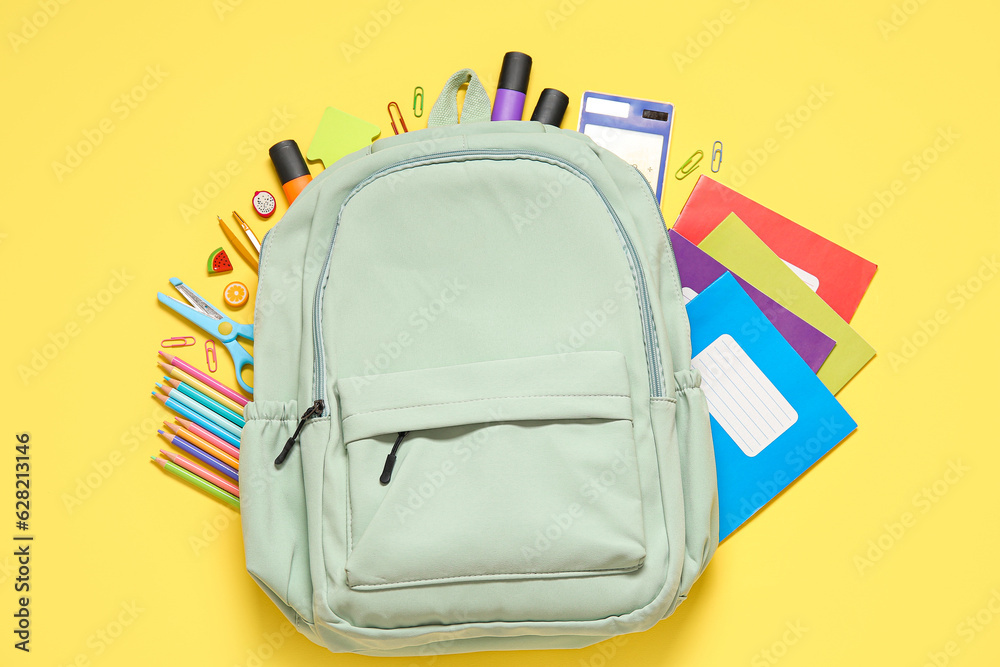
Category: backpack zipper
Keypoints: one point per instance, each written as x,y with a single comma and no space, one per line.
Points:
653,362
390,461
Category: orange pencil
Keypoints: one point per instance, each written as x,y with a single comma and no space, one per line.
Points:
204,473
207,435
211,450
200,442
180,374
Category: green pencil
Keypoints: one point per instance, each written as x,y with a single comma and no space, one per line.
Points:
194,480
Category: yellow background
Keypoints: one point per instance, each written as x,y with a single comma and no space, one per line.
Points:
134,554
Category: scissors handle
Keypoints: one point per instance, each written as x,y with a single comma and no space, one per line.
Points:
241,359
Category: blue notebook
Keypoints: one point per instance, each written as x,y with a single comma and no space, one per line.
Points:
772,418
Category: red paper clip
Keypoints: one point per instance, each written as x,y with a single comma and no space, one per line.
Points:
178,341
213,362
393,120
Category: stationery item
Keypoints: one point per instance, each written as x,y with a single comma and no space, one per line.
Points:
240,248
637,131
188,413
418,96
716,156
213,322
199,441
733,244
202,472
191,381
196,481
551,107
218,262
839,276
512,87
178,341
399,117
697,270
339,133
254,241
689,165
772,419
213,456
264,204
232,394
211,360
206,401
235,294
209,437
293,172
198,408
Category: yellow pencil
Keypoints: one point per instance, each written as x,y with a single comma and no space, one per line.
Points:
180,374
240,248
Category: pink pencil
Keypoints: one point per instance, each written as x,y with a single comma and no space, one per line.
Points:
211,382
204,473
208,435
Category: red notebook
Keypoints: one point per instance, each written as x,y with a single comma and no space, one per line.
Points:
836,274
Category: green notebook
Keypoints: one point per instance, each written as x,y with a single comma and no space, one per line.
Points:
738,248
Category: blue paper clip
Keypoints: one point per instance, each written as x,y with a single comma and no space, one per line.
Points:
716,153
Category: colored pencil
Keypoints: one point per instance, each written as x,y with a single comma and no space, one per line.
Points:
202,472
249,232
240,248
187,413
205,457
191,381
197,407
197,440
207,401
206,435
196,481
174,360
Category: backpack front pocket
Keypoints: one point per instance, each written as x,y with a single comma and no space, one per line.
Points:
511,469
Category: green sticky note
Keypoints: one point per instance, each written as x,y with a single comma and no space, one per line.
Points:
339,134
736,246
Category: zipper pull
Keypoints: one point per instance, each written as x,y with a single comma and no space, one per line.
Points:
316,409
390,461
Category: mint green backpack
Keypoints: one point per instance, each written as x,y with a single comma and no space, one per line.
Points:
475,424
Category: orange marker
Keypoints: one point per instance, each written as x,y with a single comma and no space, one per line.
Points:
293,172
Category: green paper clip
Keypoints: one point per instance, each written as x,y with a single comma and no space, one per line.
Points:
418,94
689,166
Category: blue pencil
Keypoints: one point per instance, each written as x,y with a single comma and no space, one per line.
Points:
186,446
208,402
195,406
183,411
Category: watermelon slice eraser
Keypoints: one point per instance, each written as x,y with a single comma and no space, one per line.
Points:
218,262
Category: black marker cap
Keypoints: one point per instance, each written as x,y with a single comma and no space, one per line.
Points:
515,71
288,160
551,107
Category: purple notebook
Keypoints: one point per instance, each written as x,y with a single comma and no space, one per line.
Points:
698,270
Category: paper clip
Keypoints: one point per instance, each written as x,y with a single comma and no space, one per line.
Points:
178,341
392,120
716,153
689,166
418,93
213,362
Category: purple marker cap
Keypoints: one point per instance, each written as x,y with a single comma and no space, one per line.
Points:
514,73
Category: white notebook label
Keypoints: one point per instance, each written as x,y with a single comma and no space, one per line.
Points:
741,398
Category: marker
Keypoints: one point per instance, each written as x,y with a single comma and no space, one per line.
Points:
514,73
551,107
293,172
196,481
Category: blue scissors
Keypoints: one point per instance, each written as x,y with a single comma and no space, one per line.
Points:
214,323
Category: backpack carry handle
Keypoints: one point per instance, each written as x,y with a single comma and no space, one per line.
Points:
475,108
